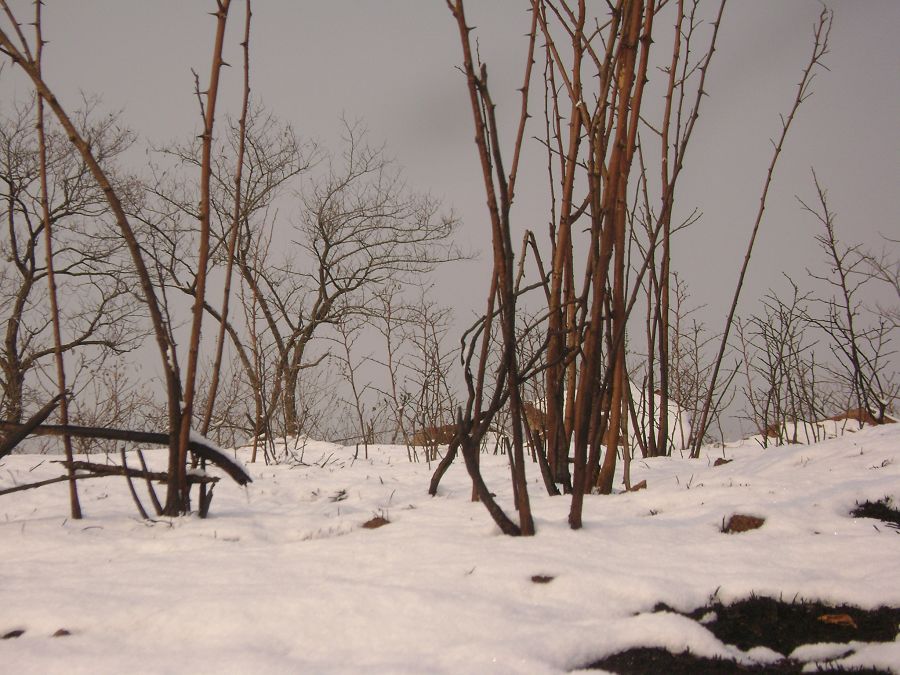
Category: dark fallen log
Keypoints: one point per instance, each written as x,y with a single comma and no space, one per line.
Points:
14,436
198,445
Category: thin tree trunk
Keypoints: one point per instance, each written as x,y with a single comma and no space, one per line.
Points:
499,200
235,227
74,504
178,500
232,243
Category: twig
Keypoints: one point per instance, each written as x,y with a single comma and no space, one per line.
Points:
153,498
134,495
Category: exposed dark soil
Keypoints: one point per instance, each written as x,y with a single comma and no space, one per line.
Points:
764,622
881,510
655,661
784,626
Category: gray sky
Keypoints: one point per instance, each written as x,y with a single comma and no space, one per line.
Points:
392,63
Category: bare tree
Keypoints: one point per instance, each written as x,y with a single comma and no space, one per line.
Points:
783,383
97,316
16,47
366,416
862,348
389,319
591,140
360,230
500,192
819,51
428,366
690,366
265,155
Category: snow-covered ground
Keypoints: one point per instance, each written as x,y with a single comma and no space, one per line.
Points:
282,578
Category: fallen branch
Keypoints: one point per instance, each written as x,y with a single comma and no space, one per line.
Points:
116,470
105,471
198,444
42,483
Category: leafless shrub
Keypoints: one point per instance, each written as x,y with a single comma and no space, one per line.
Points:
860,340
97,312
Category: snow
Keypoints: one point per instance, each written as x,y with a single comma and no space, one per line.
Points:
803,433
281,578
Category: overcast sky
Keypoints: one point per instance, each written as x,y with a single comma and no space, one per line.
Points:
392,64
